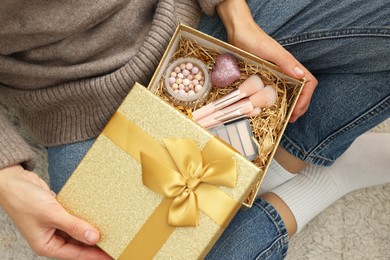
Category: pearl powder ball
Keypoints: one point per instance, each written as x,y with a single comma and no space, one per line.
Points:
186,72
182,92
189,65
198,88
198,76
186,82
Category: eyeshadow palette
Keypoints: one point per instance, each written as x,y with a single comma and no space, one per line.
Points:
239,135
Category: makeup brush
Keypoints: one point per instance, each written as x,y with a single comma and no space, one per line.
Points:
213,123
263,98
250,86
238,113
226,110
266,97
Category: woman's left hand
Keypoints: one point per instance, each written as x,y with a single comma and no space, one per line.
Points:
244,33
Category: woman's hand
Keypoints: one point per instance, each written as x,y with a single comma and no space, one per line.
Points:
47,227
244,33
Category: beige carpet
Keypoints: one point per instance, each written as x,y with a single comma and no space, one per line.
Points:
355,227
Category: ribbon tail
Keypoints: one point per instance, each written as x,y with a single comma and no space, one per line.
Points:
216,204
184,210
152,236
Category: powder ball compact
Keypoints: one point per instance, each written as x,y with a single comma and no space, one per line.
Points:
187,81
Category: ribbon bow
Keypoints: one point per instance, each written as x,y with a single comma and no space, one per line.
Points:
193,184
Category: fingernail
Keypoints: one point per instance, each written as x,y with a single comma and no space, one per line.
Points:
91,236
299,72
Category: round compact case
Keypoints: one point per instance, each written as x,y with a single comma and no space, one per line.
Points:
187,82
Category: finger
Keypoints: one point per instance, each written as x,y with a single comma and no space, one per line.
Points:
67,238
274,52
57,247
304,99
70,240
292,67
75,227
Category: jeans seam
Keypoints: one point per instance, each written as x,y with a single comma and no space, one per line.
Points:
335,34
313,156
274,245
289,142
282,239
271,212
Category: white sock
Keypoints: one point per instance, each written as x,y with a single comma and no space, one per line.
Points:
275,176
366,163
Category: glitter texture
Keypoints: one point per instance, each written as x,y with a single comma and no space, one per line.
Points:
225,71
106,188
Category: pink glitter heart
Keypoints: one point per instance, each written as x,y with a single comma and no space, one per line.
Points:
225,71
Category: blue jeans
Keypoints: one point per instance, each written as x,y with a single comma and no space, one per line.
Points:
346,45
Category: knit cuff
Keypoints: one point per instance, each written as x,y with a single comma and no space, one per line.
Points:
307,195
13,149
208,6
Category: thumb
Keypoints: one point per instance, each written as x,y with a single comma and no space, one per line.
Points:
76,228
286,61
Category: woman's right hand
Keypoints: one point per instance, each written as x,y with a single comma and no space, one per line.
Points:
49,229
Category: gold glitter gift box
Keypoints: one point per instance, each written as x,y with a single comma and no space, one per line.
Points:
156,184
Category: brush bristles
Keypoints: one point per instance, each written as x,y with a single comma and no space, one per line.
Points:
251,85
264,98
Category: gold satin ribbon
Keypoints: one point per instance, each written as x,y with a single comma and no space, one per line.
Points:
185,175
186,185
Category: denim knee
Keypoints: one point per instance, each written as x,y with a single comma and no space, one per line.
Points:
343,107
255,233
63,160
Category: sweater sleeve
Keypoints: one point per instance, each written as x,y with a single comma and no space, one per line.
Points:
208,6
13,148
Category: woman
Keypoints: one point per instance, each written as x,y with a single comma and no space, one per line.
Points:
67,67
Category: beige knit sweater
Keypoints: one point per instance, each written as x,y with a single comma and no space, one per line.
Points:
67,65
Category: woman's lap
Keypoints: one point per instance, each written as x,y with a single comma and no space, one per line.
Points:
343,107
346,45
63,160
255,233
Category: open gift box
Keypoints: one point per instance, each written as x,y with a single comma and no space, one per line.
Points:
269,125
158,185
